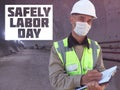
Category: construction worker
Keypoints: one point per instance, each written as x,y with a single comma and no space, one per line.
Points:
77,60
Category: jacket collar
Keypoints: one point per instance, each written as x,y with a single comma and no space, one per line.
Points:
73,42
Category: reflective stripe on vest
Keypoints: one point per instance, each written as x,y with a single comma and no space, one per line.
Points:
70,60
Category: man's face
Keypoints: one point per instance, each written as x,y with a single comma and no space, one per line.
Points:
80,18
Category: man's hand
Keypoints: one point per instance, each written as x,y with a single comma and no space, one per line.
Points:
95,86
92,75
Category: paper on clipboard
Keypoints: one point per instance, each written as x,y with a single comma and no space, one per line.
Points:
106,76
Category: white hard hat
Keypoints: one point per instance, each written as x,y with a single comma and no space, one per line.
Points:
84,7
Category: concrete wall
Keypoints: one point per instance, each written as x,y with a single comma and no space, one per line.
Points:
105,27
6,47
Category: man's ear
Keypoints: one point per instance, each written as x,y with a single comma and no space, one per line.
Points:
72,21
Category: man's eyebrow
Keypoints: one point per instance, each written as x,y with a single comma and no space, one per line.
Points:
81,17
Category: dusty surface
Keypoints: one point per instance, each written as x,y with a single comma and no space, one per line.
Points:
28,70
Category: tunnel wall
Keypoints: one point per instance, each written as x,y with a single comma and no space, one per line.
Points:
6,47
105,28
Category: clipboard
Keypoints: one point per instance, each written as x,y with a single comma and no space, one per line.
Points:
106,76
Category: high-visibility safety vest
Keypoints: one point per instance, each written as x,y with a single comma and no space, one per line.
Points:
74,66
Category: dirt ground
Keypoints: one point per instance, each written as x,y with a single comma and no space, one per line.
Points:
28,70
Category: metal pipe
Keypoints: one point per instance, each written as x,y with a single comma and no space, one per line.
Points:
108,42
110,47
111,52
113,60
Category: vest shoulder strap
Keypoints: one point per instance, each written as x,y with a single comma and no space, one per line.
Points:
63,48
95,46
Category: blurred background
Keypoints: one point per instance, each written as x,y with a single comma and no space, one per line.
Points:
32,57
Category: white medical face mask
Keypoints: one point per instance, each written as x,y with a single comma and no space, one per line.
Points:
82,28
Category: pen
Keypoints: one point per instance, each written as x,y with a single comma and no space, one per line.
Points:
82,88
